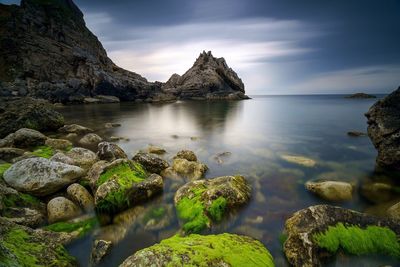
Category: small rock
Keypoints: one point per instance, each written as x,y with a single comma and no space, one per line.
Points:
156,150
99,250
90,139
151,163
71,136
193,170
61,209
61,144
83,157
75,128
331,190
109,125
394,211
25,137
61,157
80,196
110,152
378,192
300,160
186,154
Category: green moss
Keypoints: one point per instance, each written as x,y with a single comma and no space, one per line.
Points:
3,168
20,199
83,227
217,209
43,152
29,253
154,213
282,238
358,241
200,250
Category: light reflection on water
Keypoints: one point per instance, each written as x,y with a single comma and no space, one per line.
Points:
257,132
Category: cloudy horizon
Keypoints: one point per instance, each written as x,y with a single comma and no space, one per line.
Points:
275,47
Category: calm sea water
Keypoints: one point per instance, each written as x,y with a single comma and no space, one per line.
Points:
257,133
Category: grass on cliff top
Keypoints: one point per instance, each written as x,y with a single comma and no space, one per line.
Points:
83,227
206,250
30,253
358,241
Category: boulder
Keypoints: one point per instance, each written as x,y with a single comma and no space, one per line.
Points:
110,125
24,138
62,209
186,154
99,250
331,190
201,202
61,157
210,250
90,139
25,216
156,150
110,152
82,157
9,153
305,227
40,176
75,128
192,170
59,144
151,163
80,196
35,114
384,129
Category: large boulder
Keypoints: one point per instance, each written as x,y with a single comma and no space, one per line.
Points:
40,176
201,202
110,152
151,163
384,129
28,113
209,250
82,157
24,138
313,232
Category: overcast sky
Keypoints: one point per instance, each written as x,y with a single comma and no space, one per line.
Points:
276,47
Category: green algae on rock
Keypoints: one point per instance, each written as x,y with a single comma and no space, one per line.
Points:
203,250
3,168
83,227
201,202
43,152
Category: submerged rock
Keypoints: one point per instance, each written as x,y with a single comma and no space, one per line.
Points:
75,128
300,160
110,152
378,192
99,250
210,250
62,209
151,163
156,150
40,176
192,170
201,202
384,129
331,190
356,134
307,229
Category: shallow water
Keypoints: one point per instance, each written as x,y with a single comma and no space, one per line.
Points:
257,132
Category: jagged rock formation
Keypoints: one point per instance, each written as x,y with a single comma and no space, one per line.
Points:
46,51
384,129
208,78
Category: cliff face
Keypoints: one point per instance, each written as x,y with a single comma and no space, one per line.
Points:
46,51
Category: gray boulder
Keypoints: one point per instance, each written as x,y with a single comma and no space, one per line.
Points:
110,152
62,209
151,163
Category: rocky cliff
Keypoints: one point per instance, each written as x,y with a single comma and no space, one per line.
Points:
46,51
384,129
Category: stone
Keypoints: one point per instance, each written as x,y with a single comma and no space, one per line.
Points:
35,114
151,163
25,138
40,176
75,128
378,192
62,209
25,216
186,154
90,139
331,190
61,157
211,250
60,144
71,136
394,211
82,157
300,160
99,250
110,152
94,173
110,125
80,196
203,202
156,150
299,247
192,170
384,130
9,153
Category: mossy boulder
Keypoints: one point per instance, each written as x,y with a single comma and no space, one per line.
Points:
316,233
124,183
22,246
151,163
208,250
201,202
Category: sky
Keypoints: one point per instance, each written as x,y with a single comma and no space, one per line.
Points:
276,47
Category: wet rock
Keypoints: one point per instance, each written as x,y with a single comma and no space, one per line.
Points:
110,125
40,176
9,153
110,152
35,114
82,157
71,136
394,211
331,190
211,250
94,173
90,139
300,248
61,209
219,158
24,138
356,134
75,128
61,157
60,144
79,194
201,202
192,170
378,192
22,246
300,160
384,129
99,250
119,138
186,154
151,163
25,216
156,150
157,218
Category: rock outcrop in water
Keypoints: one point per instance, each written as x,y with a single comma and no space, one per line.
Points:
46,51
384,129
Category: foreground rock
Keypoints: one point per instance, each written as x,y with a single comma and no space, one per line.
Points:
122,184
99,250
24,138
22,246
185,164
82,157
309,225
331,190
384,129
40,176
62,209
151,163
35,114
201,202
196,250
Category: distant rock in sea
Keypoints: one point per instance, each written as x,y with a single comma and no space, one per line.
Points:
46,51
360,96
384,129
